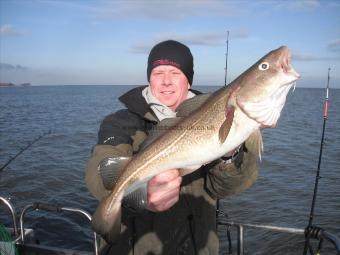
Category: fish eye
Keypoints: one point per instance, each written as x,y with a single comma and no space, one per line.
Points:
264,66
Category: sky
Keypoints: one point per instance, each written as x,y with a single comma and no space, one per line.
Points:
55,42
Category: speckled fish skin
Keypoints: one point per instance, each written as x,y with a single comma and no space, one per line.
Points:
223,122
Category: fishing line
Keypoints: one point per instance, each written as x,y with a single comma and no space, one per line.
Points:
24,149
311,216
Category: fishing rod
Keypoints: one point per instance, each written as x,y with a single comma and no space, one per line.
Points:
226,60
218,210
24,149
309,228
225,84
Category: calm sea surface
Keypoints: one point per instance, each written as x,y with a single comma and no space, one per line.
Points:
52,170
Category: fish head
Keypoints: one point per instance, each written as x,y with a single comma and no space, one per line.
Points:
263,88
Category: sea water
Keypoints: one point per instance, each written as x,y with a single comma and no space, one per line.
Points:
52,170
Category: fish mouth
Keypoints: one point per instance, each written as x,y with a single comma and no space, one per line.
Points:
267,111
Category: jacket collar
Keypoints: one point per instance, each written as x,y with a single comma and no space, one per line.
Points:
136,103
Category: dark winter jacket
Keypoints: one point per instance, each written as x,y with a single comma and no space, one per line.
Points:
189,227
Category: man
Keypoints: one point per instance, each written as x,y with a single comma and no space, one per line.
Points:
178,216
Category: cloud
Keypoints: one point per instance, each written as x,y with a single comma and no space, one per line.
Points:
333,4
9,67
298,5
167,10
209,38
198,39
9,30
143,47
334,45
175,10
154,10
311,58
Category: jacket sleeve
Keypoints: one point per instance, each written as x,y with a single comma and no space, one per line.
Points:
120,134
225,179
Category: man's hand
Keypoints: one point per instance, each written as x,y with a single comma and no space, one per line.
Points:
163,190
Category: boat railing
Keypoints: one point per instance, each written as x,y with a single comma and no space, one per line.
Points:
313,232
54,208
20,235
13,213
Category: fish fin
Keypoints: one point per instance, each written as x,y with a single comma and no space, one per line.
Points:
108,225
190,105
254,143
226,125
159,130
110,169
137,199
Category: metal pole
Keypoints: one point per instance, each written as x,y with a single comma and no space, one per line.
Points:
240,241
12,209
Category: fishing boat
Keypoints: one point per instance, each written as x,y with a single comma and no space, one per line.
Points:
22,239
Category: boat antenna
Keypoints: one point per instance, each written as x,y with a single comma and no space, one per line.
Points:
23,149
311,216
226,61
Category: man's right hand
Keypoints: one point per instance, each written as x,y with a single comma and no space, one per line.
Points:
163,190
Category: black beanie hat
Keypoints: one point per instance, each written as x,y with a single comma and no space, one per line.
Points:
172,53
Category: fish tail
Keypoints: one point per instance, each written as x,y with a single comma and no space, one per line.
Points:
107,223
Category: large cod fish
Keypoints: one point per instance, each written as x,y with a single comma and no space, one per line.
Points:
224,121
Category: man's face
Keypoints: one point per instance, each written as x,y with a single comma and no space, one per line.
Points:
169,85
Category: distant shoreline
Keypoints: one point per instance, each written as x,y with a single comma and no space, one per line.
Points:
9,84
12,85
